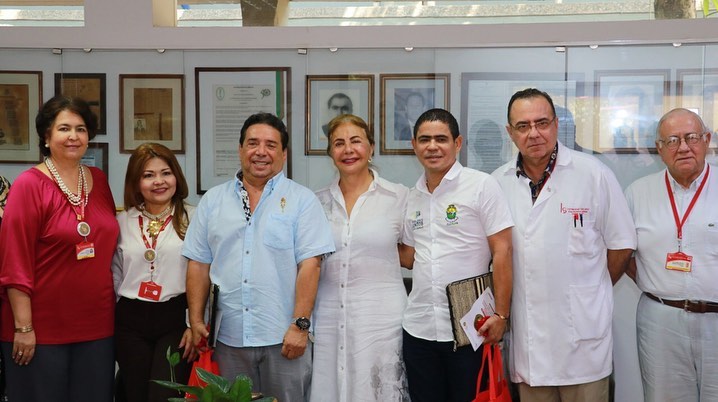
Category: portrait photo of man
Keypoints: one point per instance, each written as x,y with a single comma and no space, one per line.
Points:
409,104
337,104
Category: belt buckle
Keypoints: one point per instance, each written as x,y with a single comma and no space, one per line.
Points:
695,306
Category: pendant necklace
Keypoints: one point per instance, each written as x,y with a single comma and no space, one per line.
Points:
78,201
155,226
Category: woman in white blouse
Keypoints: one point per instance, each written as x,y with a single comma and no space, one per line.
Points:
361,296
149,273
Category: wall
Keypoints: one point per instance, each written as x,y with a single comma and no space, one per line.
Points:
124,43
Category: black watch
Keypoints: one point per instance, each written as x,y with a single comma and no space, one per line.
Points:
303,323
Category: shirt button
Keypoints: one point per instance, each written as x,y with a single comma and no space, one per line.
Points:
342,326
342,285
246,309
245,281
246,252
342,306
341,347
345,244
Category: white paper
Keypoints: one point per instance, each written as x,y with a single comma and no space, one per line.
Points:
484,306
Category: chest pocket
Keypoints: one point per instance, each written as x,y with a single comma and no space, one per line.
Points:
583,237
279,232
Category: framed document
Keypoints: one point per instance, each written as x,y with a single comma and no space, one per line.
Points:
20,100
404,97
151,110
328,96
484,101
698,91
629,104
91,88
225,98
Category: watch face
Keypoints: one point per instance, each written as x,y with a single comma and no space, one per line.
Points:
303,323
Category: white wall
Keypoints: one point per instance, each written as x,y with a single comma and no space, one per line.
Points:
123,40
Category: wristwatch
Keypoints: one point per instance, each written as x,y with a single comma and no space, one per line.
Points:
303,323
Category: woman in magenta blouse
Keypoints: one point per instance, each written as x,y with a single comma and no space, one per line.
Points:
58,237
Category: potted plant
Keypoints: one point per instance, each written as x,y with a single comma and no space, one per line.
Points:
218,389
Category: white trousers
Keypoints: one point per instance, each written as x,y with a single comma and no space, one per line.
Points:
678,353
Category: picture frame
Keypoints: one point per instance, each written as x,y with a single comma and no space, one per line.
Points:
20,100
224,98
697,90
152,110
484,102
90,87
97,156
328,96
629,104
404,97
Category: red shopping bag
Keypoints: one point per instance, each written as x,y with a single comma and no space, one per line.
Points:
498,386
205,362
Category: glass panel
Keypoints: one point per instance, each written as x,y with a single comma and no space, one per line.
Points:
37,13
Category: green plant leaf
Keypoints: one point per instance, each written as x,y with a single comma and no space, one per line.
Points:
179,399
180,387
213,379
212,393
241,389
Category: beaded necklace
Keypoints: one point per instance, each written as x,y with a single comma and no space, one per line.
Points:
79,200
82,193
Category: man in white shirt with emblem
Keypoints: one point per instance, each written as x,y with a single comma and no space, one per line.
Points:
457,220
676,265
573,238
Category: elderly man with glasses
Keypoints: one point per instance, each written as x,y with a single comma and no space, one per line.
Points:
572,239
676,265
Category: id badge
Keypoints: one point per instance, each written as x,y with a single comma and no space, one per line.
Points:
85,250
679,262
150,290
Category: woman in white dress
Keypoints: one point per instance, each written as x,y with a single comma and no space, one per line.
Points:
361,296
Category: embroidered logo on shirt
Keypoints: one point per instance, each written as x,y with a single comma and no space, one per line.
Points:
283,203
451,218
577,213
416,221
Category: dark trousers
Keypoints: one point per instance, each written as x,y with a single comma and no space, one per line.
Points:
143,332
75,372
437,373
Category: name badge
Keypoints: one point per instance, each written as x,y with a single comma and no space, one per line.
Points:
150,290
85,250
679,262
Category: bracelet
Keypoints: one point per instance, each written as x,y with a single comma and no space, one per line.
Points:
24,330
503,317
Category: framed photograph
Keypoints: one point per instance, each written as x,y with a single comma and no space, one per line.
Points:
151,110
328,96
697,90
629,104
484,100
404,97
225,98
20,100
96,156
91,88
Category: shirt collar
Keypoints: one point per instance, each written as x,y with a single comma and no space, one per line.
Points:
450,175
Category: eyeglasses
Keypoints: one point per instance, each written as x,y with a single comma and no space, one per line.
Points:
541,126
674,141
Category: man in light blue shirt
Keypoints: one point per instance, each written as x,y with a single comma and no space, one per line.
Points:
260,237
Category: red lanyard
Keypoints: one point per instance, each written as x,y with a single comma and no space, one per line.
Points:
679,221
154,239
